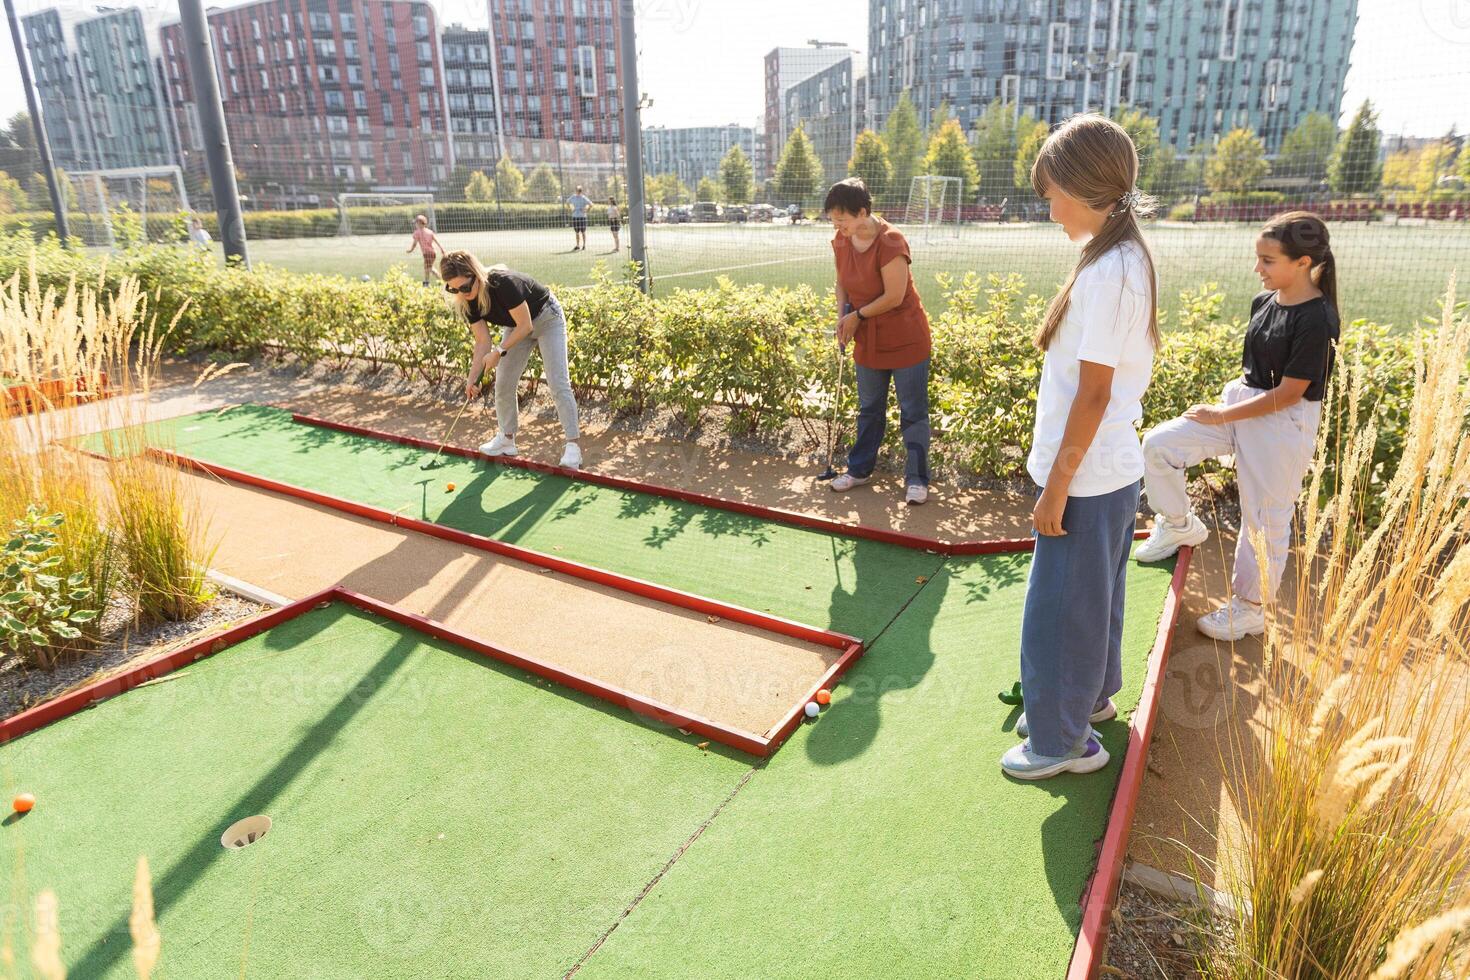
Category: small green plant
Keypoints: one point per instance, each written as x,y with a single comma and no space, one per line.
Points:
40,612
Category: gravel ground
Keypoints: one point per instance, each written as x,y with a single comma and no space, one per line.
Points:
122,645
1153,938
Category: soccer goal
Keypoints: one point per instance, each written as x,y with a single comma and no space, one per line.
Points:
380,213
934,204
129,203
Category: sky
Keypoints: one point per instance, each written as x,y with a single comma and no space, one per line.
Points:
701,61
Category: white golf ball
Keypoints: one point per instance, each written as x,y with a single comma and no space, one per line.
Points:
366,277
812,708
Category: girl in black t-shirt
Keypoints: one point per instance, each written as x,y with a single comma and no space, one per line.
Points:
1268,421
527,315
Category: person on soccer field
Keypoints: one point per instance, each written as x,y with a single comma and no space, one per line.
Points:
580,203
614,222
528,315
1267,419
879,310
1099,335
426,242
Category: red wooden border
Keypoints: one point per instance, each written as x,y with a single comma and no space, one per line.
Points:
777,514
27,399
1102,888
84,697
88,695
614,580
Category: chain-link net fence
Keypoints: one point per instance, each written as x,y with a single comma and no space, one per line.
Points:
502,124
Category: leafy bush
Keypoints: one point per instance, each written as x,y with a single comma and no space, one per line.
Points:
40,612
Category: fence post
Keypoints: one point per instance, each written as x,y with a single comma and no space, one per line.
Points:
632,137
200,53
43,145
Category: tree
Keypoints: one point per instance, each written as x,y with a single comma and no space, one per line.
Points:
1029,138
1307,149
510,183
543,187
1465,163
1143,129
1399,170
1436,160
799,171
1238,163
735,175
870,162
1172,176
905,144
1354,167
13,197
453,186
941,115
41,192
479,189
706,190
995,150
949,156
18,153
667,189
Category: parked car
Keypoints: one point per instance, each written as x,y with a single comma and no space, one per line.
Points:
677,215
706,211
736,212
762,212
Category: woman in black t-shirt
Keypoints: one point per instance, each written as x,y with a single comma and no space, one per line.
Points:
1268,421
528,315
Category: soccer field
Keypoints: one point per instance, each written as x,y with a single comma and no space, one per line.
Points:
1390,274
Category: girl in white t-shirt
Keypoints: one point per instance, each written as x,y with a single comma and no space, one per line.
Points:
1099,335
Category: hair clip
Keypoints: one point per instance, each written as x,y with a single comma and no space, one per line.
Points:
1128,202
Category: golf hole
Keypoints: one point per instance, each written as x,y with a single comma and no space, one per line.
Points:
243,833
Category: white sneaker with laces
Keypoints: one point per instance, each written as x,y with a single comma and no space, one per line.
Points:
844,482
1235,620
915,495
1167,537
501,445
571,457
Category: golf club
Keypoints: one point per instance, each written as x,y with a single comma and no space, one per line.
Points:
449,432
829,473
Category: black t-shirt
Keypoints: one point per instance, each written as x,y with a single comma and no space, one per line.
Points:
1290,342
505,290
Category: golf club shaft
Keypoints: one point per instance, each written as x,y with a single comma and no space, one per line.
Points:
450,431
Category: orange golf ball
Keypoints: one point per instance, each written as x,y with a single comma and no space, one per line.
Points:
824,696
24,802
449,488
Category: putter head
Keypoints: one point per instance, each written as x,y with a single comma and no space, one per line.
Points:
828,474
1013,697
432,464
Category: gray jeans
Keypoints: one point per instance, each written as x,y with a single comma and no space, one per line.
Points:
549,336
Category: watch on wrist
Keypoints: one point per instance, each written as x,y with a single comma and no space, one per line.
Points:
859,311
501,350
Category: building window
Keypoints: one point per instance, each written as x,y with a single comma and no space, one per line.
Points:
1230,29
425,52
348,22
1057,55
1274,80
321,22
586,69
426,76
1127,75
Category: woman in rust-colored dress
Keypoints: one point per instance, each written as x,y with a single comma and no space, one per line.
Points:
880,311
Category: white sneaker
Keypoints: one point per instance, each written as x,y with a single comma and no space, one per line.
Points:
501,445
571,457
1233,621
1166,537
916,494
844,482
1107,712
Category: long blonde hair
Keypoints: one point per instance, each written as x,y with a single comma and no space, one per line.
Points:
1092,158
462,263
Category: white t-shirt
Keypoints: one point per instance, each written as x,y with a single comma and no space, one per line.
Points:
1106,323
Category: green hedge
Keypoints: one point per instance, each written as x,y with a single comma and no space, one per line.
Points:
312,223
764,352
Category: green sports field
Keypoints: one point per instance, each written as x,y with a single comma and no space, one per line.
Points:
1390,274
439,815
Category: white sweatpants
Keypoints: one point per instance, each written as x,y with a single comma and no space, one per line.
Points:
1272,454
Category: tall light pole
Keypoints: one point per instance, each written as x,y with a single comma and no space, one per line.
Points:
200,54
632,136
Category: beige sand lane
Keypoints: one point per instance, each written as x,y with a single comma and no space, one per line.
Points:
735,675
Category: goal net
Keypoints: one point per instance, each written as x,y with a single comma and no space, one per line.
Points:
934,204
382,213
129,205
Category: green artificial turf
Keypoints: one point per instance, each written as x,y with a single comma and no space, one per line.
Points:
821,579
883,840
436,814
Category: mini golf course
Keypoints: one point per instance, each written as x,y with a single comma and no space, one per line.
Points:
439,811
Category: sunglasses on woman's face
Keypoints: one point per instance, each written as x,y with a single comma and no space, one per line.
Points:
467,287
